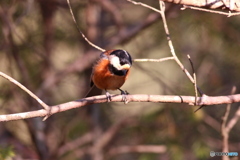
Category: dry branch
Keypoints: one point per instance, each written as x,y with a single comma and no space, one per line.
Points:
205,100
194,78
211,4
25,89
225,131
138,149
229,14
154,60
83,35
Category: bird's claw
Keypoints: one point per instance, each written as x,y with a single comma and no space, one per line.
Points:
109,99
124,98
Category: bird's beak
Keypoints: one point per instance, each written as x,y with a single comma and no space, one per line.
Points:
126,66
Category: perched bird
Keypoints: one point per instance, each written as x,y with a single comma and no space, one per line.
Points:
111,71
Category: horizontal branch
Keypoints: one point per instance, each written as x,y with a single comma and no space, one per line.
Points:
138,149
212,4
154,60
205,100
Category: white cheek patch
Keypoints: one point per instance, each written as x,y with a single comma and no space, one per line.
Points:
115,62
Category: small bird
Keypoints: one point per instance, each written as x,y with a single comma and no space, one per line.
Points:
111,71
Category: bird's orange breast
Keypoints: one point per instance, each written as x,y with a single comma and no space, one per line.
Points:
104,79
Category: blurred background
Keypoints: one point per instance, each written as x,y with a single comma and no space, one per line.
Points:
41,48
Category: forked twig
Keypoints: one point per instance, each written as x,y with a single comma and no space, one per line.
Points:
229,14
85,38
194,78
170,44
234,120
224,128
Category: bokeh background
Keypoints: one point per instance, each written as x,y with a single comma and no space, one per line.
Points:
41,47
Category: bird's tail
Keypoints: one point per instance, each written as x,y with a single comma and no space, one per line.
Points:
93,91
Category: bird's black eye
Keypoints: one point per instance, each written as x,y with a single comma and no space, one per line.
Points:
122,63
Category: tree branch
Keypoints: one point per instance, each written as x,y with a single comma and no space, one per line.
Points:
44,105
194,78
211,4
154,60
138,149
229,14
79,30
205,100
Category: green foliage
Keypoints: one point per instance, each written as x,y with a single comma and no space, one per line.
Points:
201,150
6,153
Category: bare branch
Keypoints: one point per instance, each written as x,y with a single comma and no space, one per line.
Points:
170,44
162,13
138,148
233,121
225,131
154,60
194,78
229,14
44,105
205,100
212,4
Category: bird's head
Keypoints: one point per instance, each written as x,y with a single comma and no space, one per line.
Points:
120,62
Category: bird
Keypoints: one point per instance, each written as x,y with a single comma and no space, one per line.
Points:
111,71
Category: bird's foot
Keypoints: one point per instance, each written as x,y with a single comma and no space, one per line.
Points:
124,98
109,99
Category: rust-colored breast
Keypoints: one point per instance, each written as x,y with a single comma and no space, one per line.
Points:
104,79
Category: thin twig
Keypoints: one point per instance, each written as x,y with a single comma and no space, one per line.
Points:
224,130
170,44
233,121
229,14
44,105
162,13
199,108
235,118
194,78
85,38
225,133
154,60
144,5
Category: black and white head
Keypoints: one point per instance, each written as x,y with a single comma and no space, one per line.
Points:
120,62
